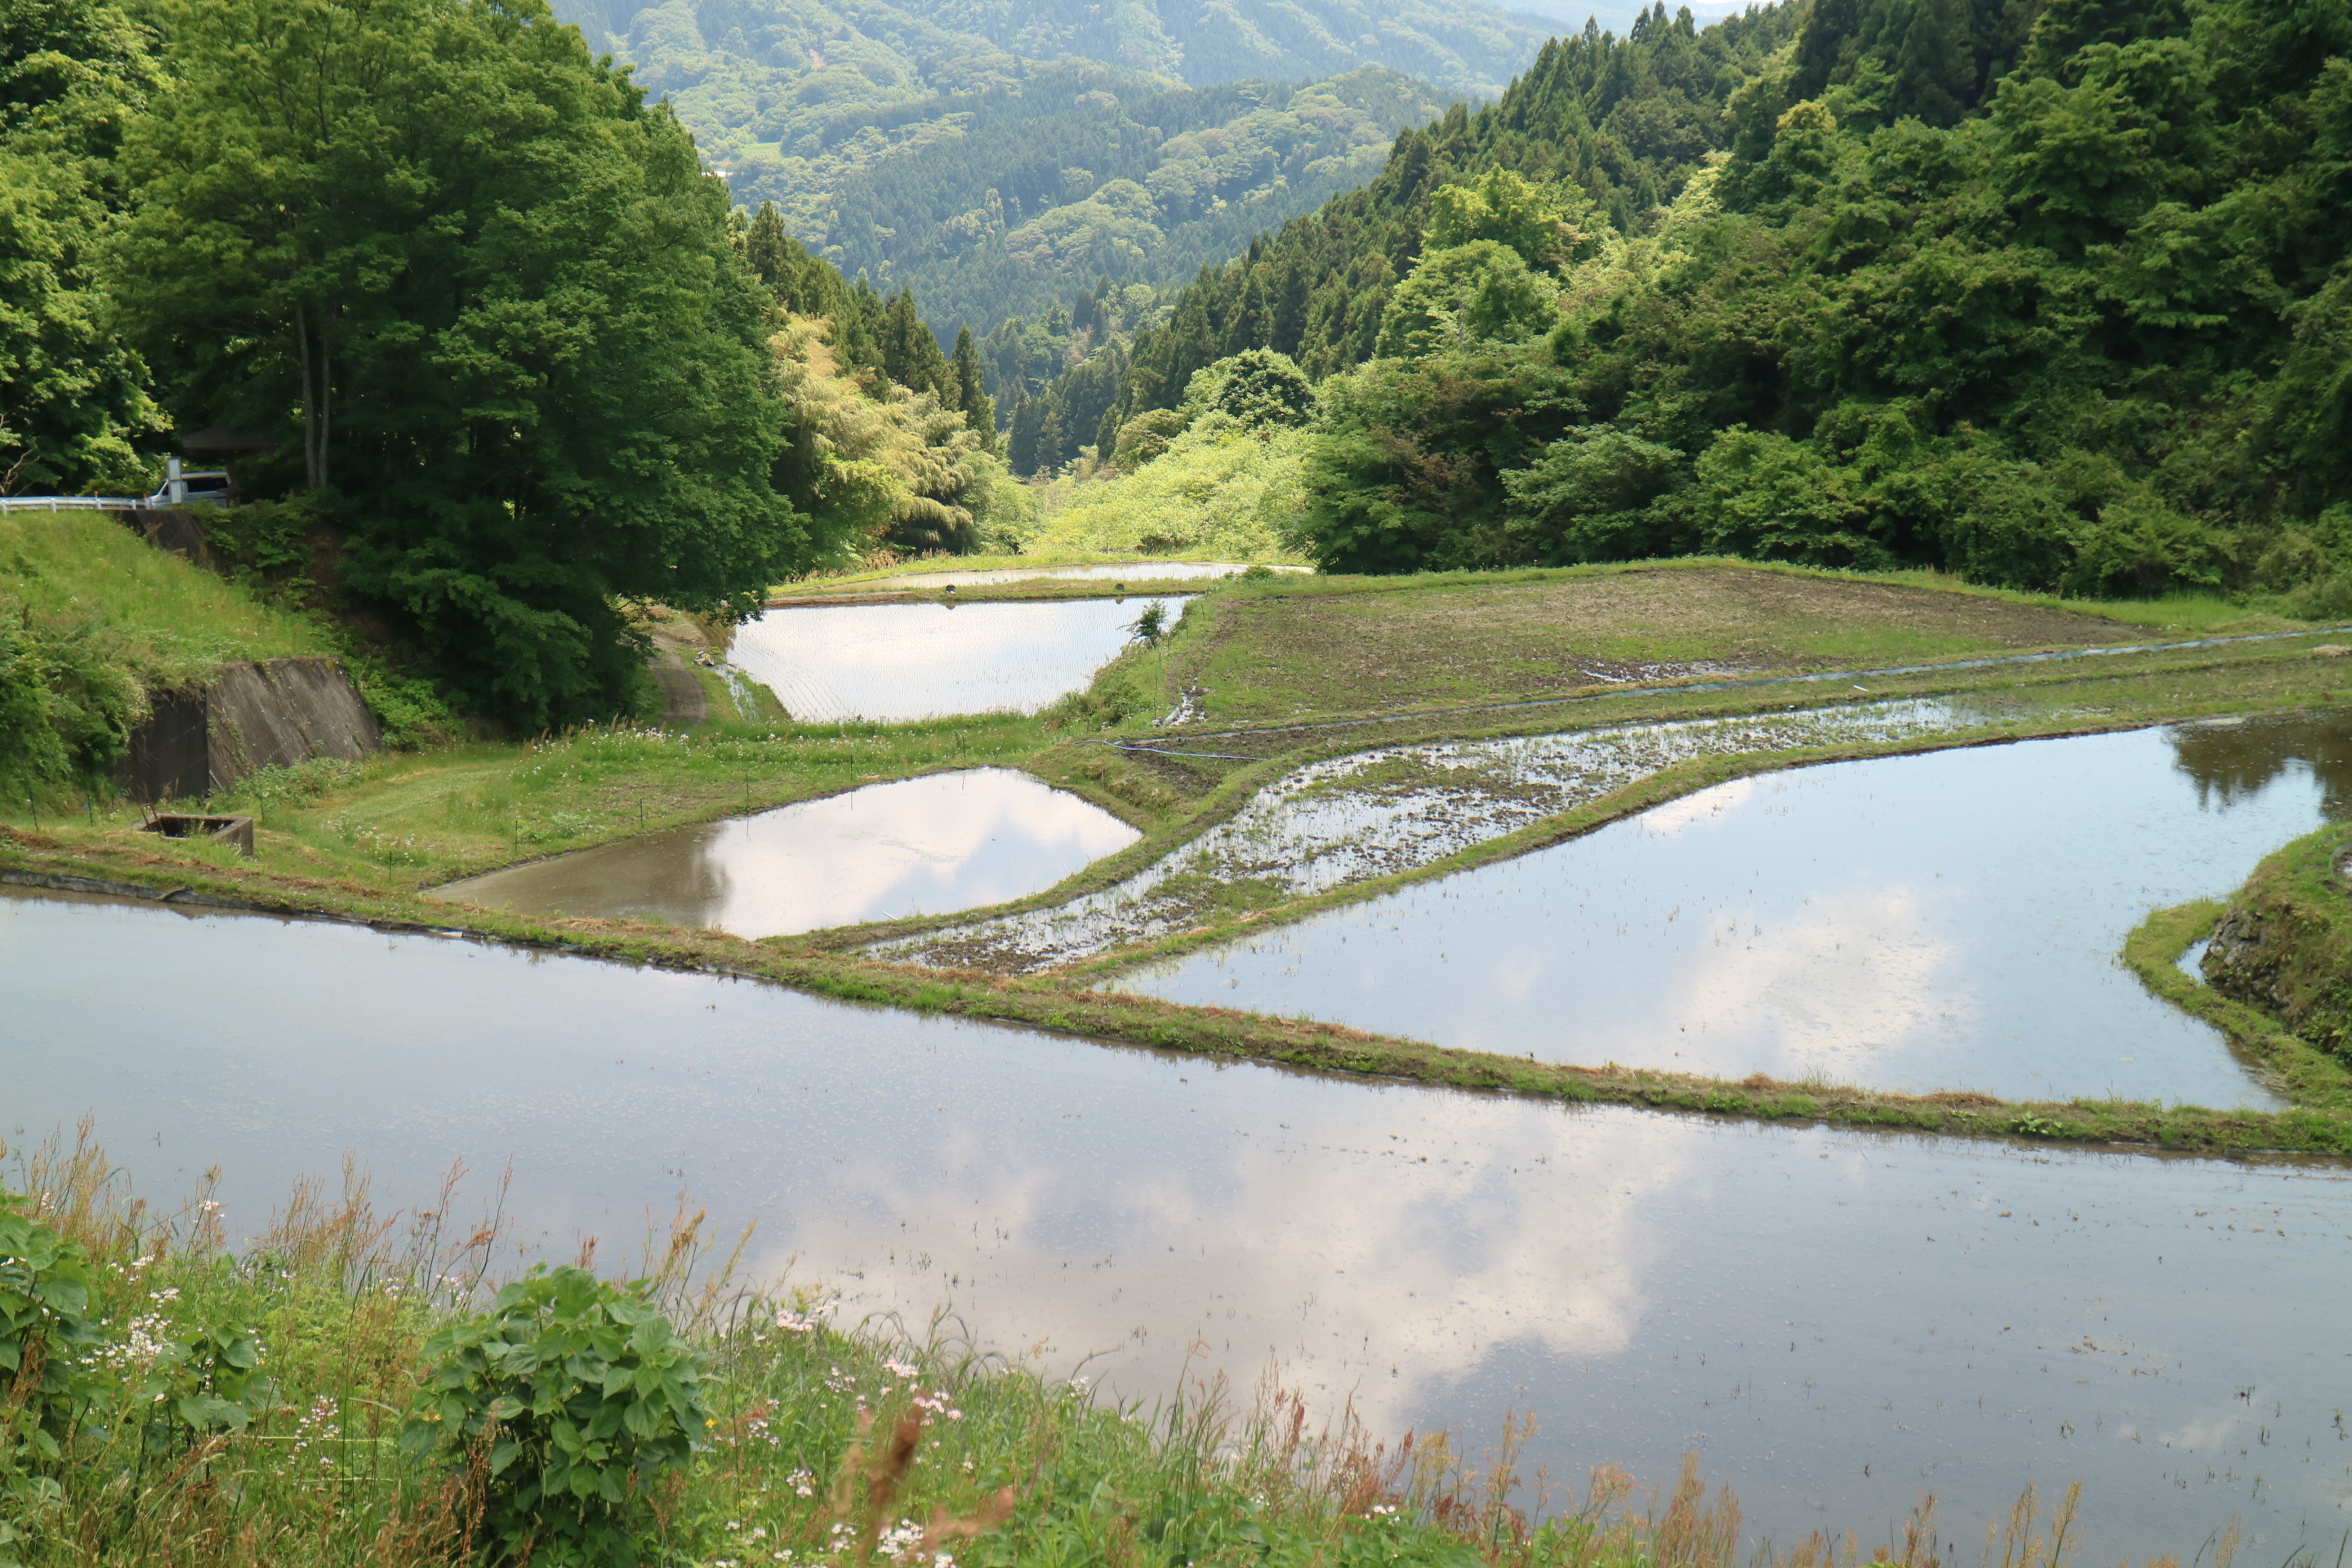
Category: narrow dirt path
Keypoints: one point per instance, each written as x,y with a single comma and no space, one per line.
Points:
682,699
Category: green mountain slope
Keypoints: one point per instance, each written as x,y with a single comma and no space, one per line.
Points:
2053,295
880,131
1625,121
1023,209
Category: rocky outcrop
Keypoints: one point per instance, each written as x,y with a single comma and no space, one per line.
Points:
250,716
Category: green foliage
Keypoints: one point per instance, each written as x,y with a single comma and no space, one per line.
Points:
1256,389
1596,132
67,703
206,1378
1931,311
488,304
73,398
1406,472
47,1328
580,1397
46,1325
1501,206
914,144
1483,291
1761,495
1215,491
1598,494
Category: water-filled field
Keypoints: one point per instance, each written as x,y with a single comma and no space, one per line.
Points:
897,662
1834,1322
924,845
1944,920
1114,571
1393,809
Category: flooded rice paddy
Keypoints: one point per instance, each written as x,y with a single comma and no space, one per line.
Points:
1114,571
1398,808
924,845
1944,921
1836,1322
897,662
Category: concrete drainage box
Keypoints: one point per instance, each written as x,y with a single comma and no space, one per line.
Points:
237,830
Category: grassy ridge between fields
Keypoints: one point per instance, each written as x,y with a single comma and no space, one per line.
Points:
1064,1007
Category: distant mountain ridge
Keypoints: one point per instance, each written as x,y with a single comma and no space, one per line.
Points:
877,126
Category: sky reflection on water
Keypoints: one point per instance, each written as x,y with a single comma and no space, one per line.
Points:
1836,1322
892,663
925,845
1946,920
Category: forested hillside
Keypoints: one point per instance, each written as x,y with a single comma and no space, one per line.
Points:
2054,295
978,151
503,360
1624,122
1029,205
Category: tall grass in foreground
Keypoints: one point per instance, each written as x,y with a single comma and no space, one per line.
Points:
826,1445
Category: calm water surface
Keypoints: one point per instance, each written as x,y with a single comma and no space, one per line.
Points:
1836,1323
1116,572
949,841
1948,920
897,662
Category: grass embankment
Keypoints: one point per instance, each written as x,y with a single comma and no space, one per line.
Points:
340,1302
2279,972
360,841
167,620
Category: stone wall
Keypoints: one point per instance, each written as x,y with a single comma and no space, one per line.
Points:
250,716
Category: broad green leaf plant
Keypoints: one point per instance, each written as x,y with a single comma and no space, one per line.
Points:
574,1396
46,1333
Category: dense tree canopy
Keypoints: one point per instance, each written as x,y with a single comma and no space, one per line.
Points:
487,300
72,398
2056,295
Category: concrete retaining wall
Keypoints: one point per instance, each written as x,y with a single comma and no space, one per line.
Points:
251,716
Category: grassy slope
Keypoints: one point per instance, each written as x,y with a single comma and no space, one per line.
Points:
171,622
360,841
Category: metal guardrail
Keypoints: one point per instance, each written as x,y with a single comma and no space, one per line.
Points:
75,503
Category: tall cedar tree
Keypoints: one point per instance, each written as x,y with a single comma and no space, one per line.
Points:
910,353
485,299
978,408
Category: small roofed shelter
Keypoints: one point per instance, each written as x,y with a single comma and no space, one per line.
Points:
222,444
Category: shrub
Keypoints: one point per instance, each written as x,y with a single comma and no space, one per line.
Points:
575,1395
1594,494
1764,496
45,1326
67,704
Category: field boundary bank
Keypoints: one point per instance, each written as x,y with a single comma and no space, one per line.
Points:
1229,796
1322,1049
1668,688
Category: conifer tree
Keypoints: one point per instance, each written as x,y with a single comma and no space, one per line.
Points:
910,353
978,408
